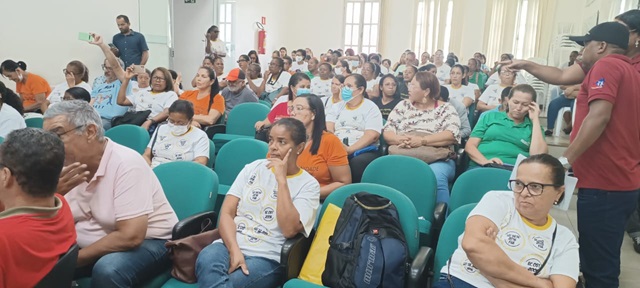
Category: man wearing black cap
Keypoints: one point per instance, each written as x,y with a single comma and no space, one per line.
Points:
604,151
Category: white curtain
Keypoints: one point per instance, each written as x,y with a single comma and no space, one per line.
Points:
433,25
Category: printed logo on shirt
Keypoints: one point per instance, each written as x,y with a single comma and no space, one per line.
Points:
241,227
599,84
512,239
531,262
183,142
248,216
252,179
268,214
179,156
256,195
274,193
167,146
162,138
539,242
252,240
261,230
468,267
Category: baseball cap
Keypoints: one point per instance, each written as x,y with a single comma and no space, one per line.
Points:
610,32
235,74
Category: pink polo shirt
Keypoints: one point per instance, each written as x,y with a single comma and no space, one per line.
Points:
124,187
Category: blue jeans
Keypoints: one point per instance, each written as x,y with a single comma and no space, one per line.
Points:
554,107
443,282
445,171
212,270
601,221
130,268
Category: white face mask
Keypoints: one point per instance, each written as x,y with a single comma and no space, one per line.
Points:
338,70
299,58
178,129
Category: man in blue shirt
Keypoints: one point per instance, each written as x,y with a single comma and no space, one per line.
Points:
129,45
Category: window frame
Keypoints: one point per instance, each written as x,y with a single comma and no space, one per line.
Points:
373,23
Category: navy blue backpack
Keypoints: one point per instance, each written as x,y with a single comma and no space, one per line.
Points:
368,248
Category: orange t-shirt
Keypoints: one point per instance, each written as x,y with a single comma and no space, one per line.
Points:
200,105
33,86
330,153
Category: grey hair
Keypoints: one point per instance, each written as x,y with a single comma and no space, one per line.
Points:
119,62
79,113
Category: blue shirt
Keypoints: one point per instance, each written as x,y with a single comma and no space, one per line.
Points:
131,47
105,98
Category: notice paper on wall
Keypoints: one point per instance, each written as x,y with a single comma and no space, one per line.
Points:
569,185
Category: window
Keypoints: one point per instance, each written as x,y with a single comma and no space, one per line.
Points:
521,25
514,28
447,28
225,23
362,23
431,33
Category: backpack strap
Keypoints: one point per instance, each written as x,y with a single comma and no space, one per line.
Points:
553,240
153,142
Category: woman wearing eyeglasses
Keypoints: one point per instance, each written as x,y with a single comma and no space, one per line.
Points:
243,62
76,75
510,240
178,140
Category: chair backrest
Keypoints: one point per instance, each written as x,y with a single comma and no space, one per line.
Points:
234,155
62,273
132,136
35,122
212,154
242,118
265,103
411,176
406,211
473,184
190,187
448,242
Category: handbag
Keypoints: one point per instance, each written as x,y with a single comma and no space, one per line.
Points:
184,252
134,118
428,154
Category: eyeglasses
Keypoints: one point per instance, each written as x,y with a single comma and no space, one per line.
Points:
159,79
298,108
66,132
178,123
241,60
65,71
106,68
534,189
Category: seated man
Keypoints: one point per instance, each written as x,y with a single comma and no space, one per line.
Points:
121,213
237,91
37,226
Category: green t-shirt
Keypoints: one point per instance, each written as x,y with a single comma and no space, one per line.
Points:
309,74
479,79
501,138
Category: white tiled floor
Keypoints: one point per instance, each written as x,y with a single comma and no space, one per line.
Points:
629,277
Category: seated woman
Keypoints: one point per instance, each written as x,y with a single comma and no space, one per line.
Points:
157,100
371,72
33,89
490,97
207,62
144,81
458,89
388,89
208,104
421,123
321,85
284,200
342,68
475,75
324,156
404,80
243,62
504,100
179,140
299,84
510,239
218,67
274,83
499,137
357,122
76,75
253,57
77,93
336,86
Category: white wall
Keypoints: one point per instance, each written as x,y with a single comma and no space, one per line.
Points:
190,23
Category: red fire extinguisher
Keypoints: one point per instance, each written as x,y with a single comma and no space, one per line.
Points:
262,38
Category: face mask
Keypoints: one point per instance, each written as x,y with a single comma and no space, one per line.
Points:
298,58
355,63
302,91
338,70
178,129
346,94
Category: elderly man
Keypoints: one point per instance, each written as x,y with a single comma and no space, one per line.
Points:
237,91
36,226
122,215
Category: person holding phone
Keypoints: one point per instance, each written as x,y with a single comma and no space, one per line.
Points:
76,75
129,45
215,46
499,137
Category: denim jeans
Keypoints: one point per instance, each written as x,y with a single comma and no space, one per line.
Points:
554,107
633,224
212,270
601,221
443,282
445,171
130,268
106,123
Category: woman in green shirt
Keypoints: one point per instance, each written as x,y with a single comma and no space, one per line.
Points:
499,137
475,75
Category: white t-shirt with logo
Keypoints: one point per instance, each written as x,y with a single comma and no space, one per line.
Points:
321,87
218,47
444,72
304,67
156,102
57,94
491,95
257,230
10,119
170,148
282,81
524,243
459,94
351,123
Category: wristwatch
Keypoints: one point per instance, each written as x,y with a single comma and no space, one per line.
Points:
565,162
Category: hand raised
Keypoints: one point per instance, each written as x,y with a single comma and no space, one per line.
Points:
71,176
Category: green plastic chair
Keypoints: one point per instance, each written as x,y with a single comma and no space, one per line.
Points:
265,103
406,212
232,158
412,177
132,136
190,188
35,122
212,154
452,229
1,140
241,123
473,184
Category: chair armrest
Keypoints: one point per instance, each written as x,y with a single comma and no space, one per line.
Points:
193,225
215,129
294,251
419,271
439,214
383,149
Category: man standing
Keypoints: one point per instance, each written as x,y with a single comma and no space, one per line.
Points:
236,92
36,226
604,151
129,45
